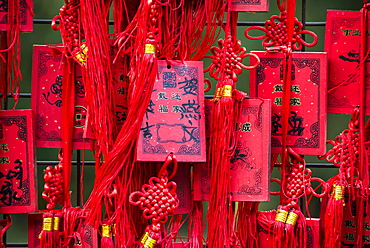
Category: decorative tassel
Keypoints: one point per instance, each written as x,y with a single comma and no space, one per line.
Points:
246,228
106,236
220,154
333,218
46,235
295,230
56,229
196,226
279,225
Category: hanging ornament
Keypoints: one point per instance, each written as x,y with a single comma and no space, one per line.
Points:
276,32
290,223
345,154
158,200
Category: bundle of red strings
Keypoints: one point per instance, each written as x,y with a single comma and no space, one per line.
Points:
10,52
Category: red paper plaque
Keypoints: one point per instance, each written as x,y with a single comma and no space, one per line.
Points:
47,100
313,234
350,224
250,5
89,237
342,43
34,229
47,78
183,191
26,15
250,163
174,120
17,174
307,117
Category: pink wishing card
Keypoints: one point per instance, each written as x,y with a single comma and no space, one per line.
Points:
307,118
250,5
251,160
343,43
47,82
17,174
26,8
174,120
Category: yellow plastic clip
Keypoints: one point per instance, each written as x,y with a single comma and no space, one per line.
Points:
150,243
56,223
144,238
338,192
281,215
292,218
47,224
149,48
105,231
82,55
227,91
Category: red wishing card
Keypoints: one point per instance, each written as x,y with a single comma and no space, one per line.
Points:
47,78
350,224
342,43
307,117
88,237
26,8
251,160
34,229
183,191
250,5
47,100
174,120
17,174
265,237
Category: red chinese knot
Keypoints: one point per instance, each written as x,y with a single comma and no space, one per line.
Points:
53,187
227,59
276,33
158,199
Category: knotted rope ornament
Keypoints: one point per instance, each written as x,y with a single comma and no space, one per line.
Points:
70,29
345,153
227,59
290,224
158,200
276,33
53,187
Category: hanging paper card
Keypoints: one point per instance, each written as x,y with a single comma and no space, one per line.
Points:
47,100
17,173
313,234
34,229
350,224
250,163
88,237
174,120
307,114
183,191
342,43
250,5
26,8
47,77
